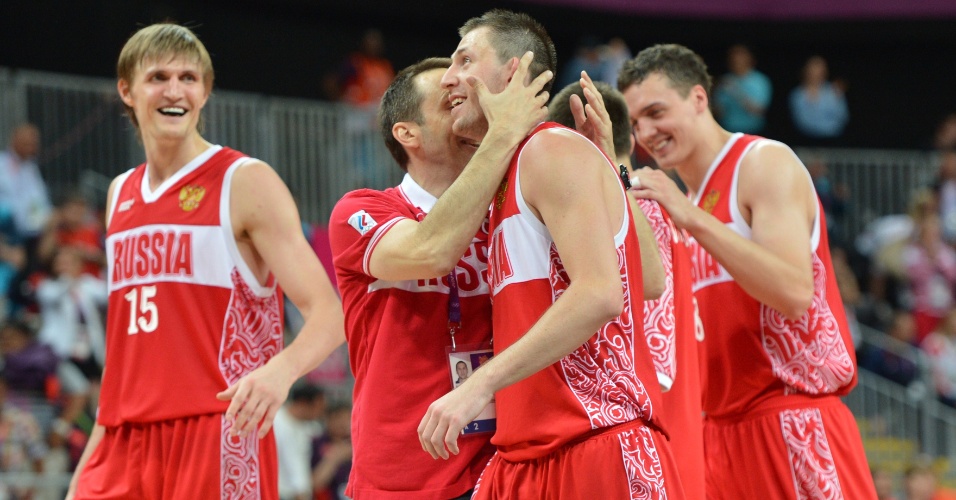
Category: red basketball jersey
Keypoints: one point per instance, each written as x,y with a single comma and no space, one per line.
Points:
607,381
187,317
397,333
753,353
674,332
660,321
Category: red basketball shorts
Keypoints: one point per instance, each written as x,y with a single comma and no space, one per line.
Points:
801,452
190,457
629,464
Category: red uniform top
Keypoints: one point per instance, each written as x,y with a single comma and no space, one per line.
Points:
397,333
187,317
753,353
607,381
674,331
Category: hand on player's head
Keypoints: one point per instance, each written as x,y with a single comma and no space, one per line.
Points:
592,119
520,106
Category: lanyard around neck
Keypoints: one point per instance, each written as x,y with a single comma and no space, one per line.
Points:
454,308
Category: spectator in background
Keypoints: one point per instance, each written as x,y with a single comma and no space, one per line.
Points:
367,73
945,190
70,303
587,57
883,481
849,291
296,425
945,137
742,95
615,54
73,224
921,482
833,197
884,242
940,346
895,360
54,391
818,106
332,455
364,77
22,188
22,447
931,270
13,258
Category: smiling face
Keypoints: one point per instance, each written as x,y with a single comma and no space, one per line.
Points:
663,120
475,56
167,95
439,144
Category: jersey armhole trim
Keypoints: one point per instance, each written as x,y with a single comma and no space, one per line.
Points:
738,223
817,226
524,210
225,222
117,189
666,382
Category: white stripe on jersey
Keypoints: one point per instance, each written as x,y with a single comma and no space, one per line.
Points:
157,256
423,286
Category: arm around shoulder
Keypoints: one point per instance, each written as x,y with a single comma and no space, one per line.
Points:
566,191
377,235
431,248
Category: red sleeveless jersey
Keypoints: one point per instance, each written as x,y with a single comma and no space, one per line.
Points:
607,381
187,317
753,353
674,332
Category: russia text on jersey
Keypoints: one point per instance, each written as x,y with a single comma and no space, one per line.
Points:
705,270
166,252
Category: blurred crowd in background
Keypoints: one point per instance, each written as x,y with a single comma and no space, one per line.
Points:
898,277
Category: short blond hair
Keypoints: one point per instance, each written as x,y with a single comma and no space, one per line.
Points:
155,42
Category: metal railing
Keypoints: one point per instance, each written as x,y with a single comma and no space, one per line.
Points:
322,150
878,183
898,422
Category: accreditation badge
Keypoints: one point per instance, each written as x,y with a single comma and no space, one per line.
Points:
462,363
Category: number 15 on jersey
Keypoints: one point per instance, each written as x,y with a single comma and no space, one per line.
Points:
143,314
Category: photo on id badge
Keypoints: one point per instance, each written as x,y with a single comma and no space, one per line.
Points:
462,363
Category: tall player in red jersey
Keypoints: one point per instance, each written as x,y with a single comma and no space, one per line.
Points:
574,385
778,350
198,239
395,254
671,324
